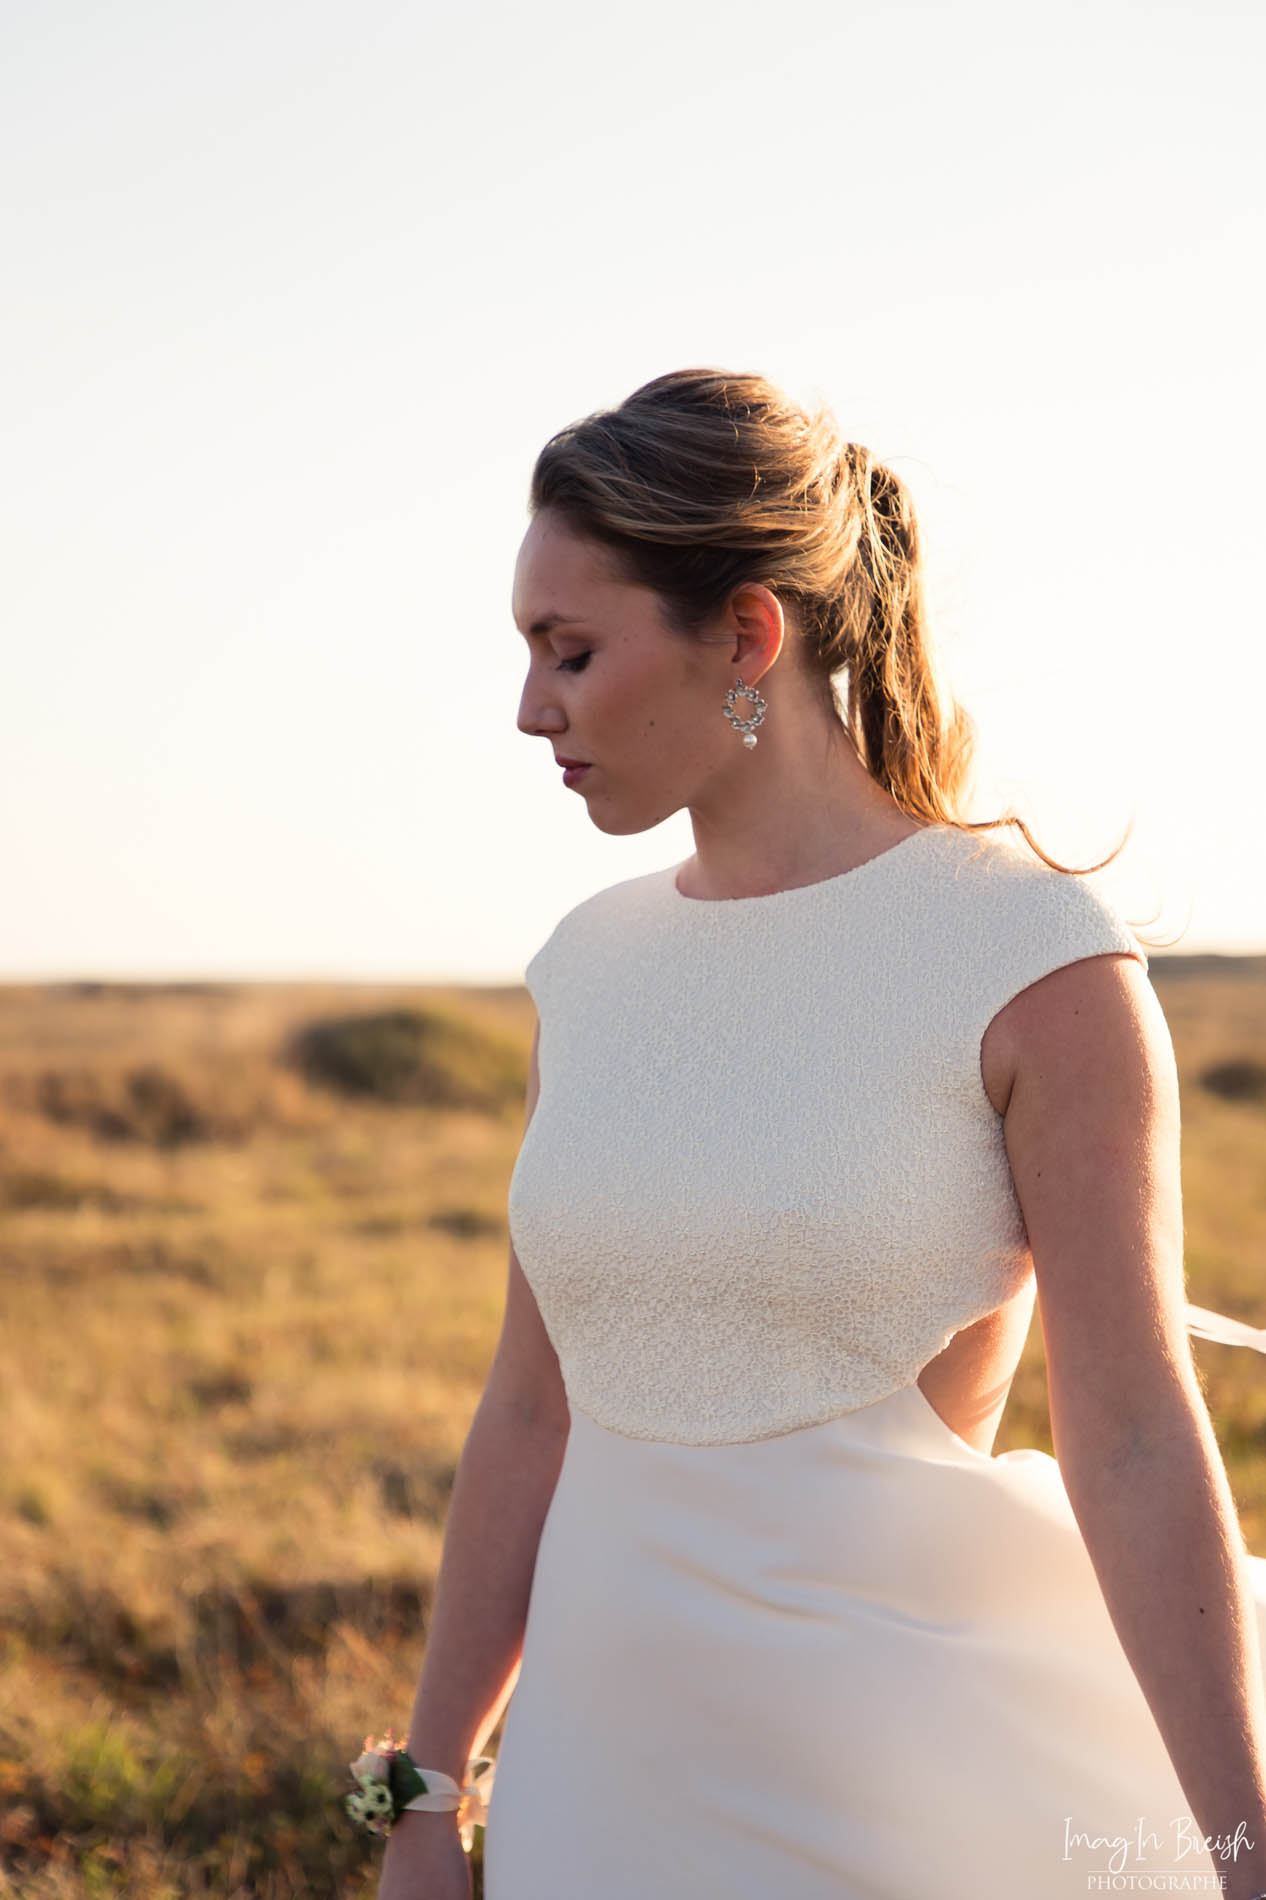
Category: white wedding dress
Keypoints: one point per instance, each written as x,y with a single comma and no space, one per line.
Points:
790,1637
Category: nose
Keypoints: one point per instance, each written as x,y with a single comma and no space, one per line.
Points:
536,717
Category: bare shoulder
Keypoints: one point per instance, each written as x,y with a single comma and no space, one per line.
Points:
1076,1020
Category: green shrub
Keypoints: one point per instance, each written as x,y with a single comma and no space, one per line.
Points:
1240,1079
412,1056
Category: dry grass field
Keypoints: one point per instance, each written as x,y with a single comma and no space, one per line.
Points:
252,1259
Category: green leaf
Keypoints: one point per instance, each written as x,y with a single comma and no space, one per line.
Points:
405,1781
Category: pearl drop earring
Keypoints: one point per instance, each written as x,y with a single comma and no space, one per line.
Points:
745,726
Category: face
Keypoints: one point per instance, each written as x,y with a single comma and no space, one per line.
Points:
610,685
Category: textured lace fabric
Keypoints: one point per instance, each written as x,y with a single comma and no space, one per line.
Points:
763,1184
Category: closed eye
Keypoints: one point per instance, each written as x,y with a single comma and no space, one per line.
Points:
576,664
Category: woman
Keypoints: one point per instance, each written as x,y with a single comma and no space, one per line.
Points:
813,1119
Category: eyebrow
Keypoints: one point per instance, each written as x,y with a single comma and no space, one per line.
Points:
549,621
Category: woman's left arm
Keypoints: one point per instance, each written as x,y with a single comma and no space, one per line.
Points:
1092,1134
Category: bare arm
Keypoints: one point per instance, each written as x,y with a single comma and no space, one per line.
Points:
1092,1133
505,1480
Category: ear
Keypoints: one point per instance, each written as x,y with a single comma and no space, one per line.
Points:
758,627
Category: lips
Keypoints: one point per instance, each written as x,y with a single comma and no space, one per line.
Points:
560,760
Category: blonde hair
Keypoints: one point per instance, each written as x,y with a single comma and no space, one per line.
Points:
702,480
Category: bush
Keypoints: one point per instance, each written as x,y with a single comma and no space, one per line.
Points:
1241,1079
145,1104
22,1188
412,1056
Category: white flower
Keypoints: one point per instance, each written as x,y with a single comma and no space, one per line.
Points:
371,1805
373,1765
376,1798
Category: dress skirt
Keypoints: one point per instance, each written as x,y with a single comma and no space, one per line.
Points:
858,1661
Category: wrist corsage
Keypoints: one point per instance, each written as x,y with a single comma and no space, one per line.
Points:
389,1783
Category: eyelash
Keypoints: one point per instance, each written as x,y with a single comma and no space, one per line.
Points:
576,664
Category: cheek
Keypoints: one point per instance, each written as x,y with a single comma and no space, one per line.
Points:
660,698
625,695
650,700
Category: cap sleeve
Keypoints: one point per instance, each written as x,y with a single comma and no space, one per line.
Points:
536,971
566,945
1013,920
1044,920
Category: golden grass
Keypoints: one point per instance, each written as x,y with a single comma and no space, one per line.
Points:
244,1324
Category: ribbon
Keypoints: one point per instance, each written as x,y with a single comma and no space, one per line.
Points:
1224,1330
470,1801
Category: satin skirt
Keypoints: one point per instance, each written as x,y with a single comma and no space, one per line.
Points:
859,1661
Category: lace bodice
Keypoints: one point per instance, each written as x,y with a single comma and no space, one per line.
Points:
763,1183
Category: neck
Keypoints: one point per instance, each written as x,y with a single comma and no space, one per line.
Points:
804,810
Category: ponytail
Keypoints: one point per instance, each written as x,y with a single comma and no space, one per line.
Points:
909,732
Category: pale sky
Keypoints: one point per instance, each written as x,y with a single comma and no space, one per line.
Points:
294,294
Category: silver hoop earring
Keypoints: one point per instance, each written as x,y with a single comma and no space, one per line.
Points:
745,726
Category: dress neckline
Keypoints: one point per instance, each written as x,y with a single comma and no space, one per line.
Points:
682,903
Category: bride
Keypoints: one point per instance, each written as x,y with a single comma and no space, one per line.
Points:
815,1118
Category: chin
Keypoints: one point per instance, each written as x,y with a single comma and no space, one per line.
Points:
628,824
